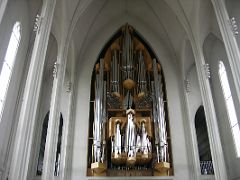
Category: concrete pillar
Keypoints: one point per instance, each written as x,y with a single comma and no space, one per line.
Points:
54,116
210,113
27,120
229,41
67,142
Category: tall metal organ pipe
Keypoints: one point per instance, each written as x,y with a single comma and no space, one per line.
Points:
104,117
155,121
160,115
115,73
142,83
127,56
99,115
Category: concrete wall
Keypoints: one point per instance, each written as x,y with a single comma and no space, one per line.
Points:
85,68
214,52
16,11
233,11
160,29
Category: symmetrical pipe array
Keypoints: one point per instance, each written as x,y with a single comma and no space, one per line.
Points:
129,82
130,139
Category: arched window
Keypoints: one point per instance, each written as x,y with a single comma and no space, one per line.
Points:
230,107
43,143
204,150
8,63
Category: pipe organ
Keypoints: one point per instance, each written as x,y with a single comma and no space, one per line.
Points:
129,128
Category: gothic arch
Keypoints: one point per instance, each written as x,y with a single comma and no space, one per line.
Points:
204,151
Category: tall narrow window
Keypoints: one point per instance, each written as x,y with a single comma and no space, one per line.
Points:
59,144
43,143
204,150
230,107
8,63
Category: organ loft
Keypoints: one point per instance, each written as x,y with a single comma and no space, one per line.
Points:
128,130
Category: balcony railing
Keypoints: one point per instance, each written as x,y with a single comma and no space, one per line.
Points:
206,167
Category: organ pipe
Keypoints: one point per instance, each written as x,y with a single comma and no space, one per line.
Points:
99,115
130,142
159,115
118,139
142,83
115,73
127,56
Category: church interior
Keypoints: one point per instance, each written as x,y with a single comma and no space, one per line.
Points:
119,89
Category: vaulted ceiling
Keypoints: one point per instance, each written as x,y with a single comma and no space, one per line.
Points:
171,22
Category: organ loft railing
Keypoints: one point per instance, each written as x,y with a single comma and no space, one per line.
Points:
129,129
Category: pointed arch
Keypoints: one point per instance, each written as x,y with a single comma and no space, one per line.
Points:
204,151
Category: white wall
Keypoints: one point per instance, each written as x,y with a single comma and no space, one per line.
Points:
16,11
84,68
233,7
44,103
214,52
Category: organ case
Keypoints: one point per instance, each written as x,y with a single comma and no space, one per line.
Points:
129,124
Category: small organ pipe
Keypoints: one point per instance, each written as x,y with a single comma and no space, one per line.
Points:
138,143
144,139
126,143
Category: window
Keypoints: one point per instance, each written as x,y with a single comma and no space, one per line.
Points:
8,63
230,107
43,143
204,151
59,145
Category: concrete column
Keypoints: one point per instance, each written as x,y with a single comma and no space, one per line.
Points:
190,133
65,165
27,120
210,113
229,41
3,5
53,124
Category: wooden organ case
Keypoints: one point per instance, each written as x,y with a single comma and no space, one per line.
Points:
128,114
